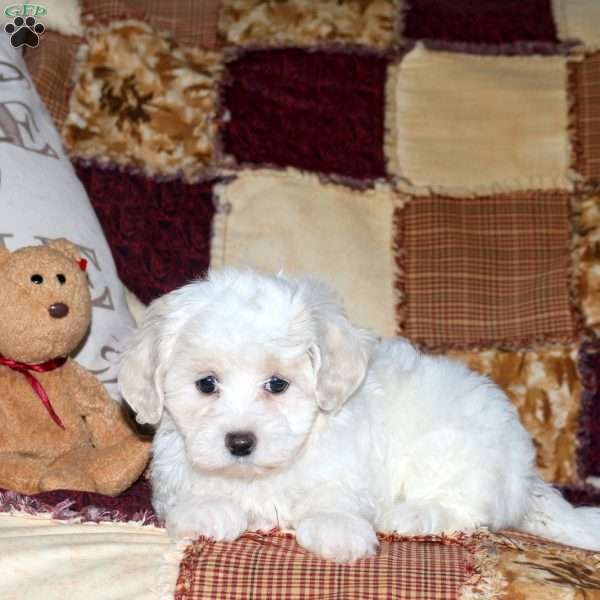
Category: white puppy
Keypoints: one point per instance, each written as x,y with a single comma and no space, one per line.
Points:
273,410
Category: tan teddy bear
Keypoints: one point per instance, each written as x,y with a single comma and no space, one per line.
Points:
59,429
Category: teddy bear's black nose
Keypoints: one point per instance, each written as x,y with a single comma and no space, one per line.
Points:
240,443
58,310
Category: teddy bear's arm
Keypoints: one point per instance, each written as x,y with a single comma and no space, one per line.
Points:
119,454
106,419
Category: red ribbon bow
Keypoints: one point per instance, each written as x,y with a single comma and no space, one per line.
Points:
24,369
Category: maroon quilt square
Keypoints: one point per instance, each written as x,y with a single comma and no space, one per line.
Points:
158,231
319,111
481,21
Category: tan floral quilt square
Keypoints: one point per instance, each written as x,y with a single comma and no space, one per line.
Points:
303,22
545,387
142,101
518,566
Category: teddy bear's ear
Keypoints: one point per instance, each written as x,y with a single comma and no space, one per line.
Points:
4,254
66,247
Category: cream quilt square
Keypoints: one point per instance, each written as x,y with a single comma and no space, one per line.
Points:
578,20
464,121
286,221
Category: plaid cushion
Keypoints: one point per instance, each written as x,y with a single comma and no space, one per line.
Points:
273,567
488,271
584,78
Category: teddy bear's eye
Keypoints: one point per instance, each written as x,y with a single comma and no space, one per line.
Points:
61,278
37,279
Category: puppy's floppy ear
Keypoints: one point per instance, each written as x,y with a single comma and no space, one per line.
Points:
141,372
341,351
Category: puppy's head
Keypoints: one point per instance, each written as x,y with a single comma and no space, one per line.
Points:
243,363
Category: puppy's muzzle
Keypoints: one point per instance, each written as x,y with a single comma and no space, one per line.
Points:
240,443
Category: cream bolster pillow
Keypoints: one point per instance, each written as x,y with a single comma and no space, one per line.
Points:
41,199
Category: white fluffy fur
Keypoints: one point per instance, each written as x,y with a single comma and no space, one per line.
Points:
370,435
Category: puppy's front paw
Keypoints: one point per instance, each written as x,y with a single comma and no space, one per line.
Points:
220,520
337,537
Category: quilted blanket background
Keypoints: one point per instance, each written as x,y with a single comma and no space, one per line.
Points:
445,154
438,162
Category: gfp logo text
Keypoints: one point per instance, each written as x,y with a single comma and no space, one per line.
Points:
25,10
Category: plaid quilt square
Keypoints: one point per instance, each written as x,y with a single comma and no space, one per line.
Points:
482,272
304,22
51,66
319,111
480,21
584,88
545,386
272,566
274,220
191,22
142,101
466,121
158,231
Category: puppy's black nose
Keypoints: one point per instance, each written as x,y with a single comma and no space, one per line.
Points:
240,443
58,310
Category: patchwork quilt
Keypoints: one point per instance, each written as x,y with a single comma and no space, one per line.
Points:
437,162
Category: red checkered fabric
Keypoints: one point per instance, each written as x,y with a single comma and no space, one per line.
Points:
584,79
51,66
273,567
481,272
192,22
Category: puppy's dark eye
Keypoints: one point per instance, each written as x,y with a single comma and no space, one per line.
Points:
37,279
276,385
61,278
207,385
